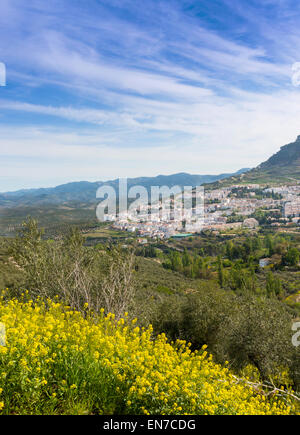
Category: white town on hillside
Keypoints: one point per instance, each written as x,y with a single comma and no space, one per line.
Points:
225,208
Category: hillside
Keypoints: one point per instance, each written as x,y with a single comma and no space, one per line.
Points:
119,369
90,364
282,167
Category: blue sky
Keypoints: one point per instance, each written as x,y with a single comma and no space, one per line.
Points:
99,89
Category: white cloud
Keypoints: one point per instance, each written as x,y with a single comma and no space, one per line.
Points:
141,100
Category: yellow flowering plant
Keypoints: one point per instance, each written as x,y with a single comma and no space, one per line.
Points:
59,361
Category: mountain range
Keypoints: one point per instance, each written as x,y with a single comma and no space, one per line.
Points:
75,202
282,167
85,192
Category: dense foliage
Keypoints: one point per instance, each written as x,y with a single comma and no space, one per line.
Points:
208,290
59,361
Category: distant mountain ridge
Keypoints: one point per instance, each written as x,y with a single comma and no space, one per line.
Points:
282,167
85,191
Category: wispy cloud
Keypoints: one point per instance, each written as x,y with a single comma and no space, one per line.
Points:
206,85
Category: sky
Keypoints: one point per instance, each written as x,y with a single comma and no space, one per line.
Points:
101,89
